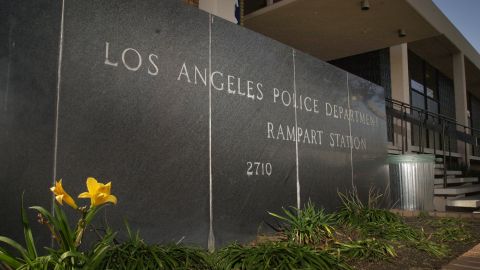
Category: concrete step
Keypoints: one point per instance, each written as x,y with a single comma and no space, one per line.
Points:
469,202
458,190
440,172
456,180
394,151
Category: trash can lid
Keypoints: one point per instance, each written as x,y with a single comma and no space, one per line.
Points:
420,158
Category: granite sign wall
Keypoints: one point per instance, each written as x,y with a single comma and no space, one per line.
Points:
201,125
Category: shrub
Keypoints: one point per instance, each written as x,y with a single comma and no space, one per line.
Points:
372,221
309,226
355,213
135,254
449,229
369,249
275,255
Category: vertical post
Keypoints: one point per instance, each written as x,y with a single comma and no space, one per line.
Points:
444,156
460,87
402,125
420,133
400,89
449,151
466,148
405,130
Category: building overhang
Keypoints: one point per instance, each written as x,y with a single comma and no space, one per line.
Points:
332,29
439,51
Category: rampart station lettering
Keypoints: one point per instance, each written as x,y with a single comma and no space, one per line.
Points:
287,133
346,141
313,136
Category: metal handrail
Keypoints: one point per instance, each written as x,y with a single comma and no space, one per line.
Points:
432,121
423,111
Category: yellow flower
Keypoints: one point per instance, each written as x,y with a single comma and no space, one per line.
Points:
62,196
98,193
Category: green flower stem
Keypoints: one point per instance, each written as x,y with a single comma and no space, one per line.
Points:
81,226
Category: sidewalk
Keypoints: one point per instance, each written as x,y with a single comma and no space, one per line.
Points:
468,261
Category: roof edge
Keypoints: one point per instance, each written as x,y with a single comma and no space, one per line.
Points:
430,12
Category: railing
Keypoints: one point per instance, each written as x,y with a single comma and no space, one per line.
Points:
426,121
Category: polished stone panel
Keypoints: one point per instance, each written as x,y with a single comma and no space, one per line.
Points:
369,168
324,168
28,76
245,190
144,130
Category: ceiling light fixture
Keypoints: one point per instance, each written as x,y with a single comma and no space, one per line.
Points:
402,33
365,5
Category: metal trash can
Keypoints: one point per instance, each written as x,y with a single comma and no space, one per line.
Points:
411,181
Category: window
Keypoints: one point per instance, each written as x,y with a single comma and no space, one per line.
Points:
424,96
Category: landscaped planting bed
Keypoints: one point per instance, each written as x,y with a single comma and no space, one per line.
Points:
448,231
359,235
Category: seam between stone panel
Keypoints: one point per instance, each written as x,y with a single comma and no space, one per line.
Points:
57,105
350,131
211,237
296,129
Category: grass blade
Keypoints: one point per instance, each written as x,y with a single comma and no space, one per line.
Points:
16,246
27,232
9,260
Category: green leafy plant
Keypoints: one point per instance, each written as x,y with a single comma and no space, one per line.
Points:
369,249
309,226
136,254
451,234
354,212
275,255
389,231
424,244
450,229
67,254
373,222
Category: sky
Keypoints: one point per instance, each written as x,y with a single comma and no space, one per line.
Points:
465,15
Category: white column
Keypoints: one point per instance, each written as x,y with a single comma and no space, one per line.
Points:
399,72
221,8
400,89
461,114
